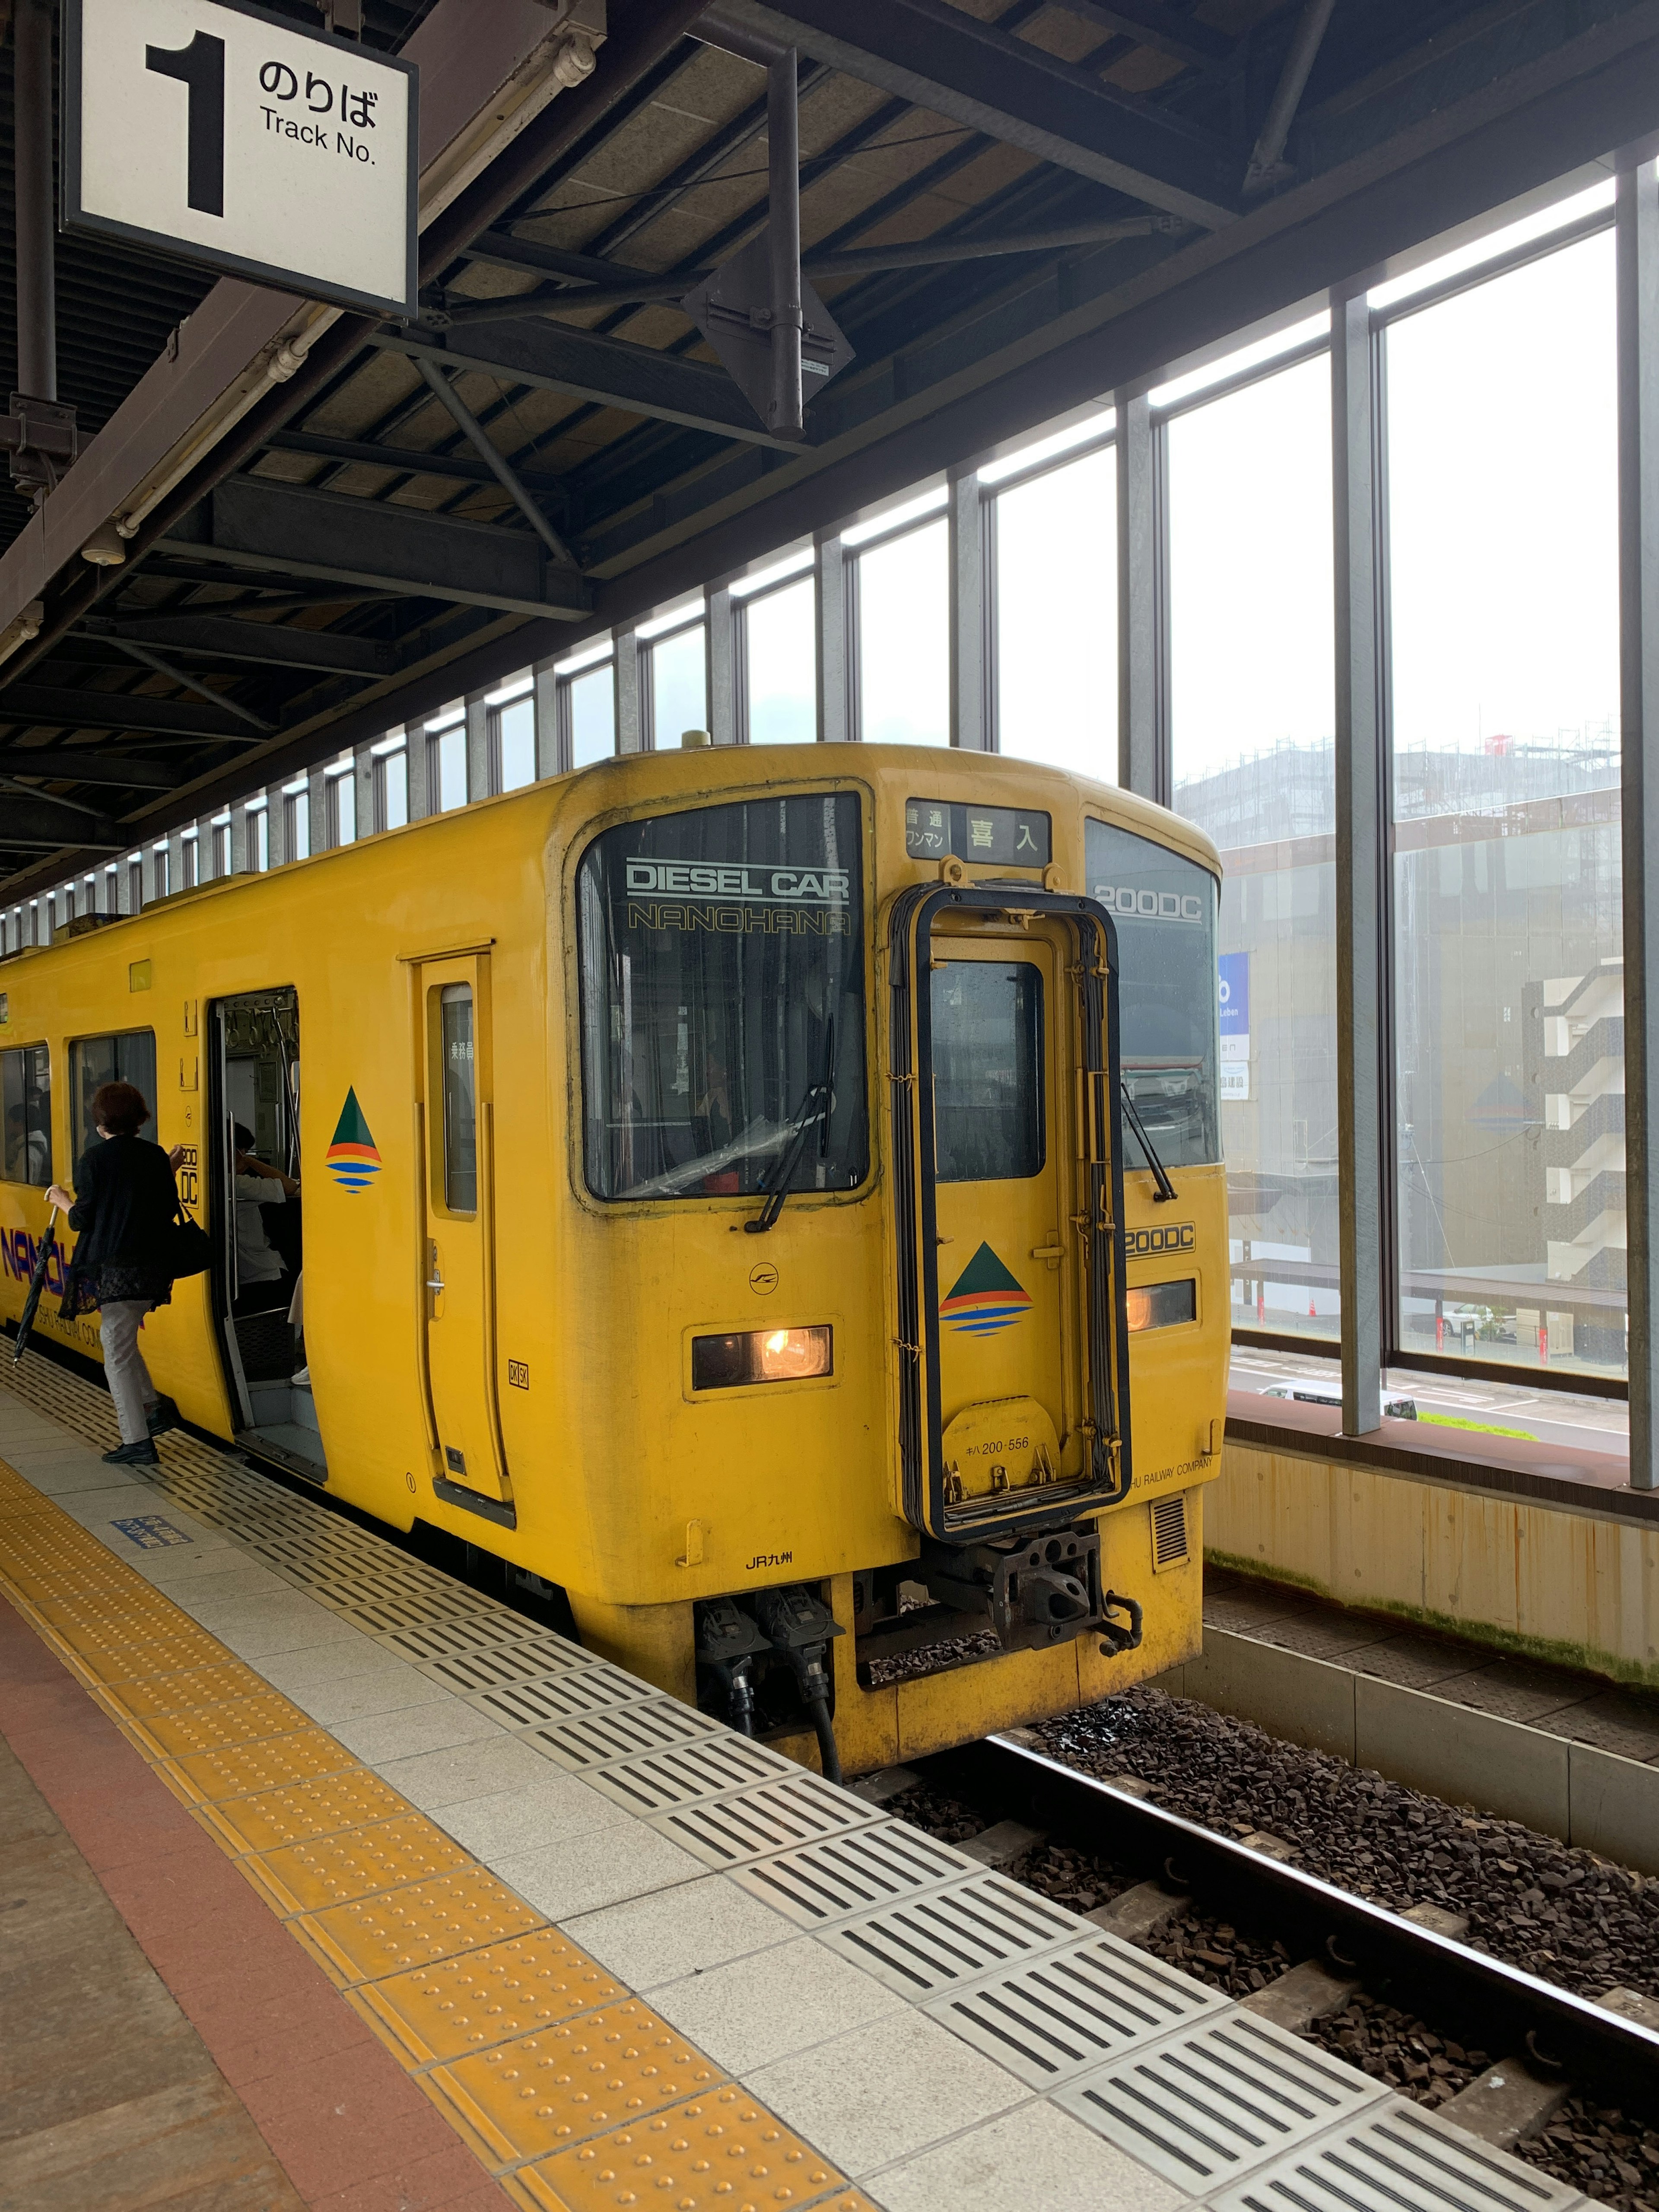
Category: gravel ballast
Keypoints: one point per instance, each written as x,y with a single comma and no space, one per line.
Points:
1560,1913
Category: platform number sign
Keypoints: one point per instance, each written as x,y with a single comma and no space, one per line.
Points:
222,134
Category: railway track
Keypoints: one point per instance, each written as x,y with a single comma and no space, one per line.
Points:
1558,2036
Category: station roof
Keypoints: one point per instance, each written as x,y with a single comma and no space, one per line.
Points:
1011,209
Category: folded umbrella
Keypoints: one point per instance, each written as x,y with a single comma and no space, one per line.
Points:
37,1284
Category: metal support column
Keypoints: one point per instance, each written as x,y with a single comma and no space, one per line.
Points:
546,696
243,832
1361,828
276,825
783,241
1142,737
362,772
479,781
834,677
32,106
970,718
1636,281
721,664
316,802
422,773
630,734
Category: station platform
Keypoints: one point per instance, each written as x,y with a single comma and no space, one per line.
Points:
336,1884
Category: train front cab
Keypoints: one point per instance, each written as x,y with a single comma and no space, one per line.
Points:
950,1349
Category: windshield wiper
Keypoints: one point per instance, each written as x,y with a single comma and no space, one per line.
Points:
1165,1189
814,1107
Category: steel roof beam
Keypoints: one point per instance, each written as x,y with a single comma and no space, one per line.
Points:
1149,23
251,523
47,825
274,645
633,378
941,58
57,764
407,461
67,707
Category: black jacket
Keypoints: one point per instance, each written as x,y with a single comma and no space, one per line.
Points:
125,1197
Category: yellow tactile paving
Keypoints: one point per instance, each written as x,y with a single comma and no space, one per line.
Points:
412,1927
189,1691
719,2153
337,1870
276,1817
220,1727
602,2069
465,2004
531,2049
275,1763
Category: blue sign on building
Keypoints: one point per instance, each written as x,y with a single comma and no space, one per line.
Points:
1233,986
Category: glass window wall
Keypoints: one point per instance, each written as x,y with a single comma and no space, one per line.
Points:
1252,710
679,690
779,650
1507,1012
903,616
1056,617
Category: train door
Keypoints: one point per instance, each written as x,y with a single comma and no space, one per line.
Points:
458,1244
1013,1410
254,1213
998,1217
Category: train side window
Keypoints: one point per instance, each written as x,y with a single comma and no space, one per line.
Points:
461,1100
129,1057
26,1094
987,1071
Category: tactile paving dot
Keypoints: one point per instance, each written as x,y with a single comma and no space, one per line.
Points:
412,1927
219,1728
603,2069
719,2153
331,1870
187,1692
276,1817
114,1657
307,1755
466,2005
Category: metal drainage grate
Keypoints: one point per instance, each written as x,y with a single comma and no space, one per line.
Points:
440,1639
623,1732
1050,2018
690,1772
856,1873
466,1671
725,1832
1212,2103
943,1940
593,1689
1403,2161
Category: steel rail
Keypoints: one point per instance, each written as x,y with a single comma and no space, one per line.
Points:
1498,2007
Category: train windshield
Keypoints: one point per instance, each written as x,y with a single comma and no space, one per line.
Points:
722,977
1165,908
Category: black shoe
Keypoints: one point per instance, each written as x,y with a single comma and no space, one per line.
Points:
142,1454
162,1416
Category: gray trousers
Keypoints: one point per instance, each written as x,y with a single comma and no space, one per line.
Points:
124,1366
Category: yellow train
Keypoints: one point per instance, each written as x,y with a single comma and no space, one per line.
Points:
771,1197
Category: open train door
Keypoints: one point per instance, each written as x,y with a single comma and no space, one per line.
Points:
1014,1418
457,1268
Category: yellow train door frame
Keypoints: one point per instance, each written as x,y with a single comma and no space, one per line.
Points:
928,924
459,1336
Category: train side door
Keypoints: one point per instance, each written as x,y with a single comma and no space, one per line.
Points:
459,1243
999,1225
1013,1413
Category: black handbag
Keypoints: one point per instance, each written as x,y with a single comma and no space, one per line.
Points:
190,1248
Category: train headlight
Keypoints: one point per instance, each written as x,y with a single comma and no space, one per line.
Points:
760,1355
1161,1305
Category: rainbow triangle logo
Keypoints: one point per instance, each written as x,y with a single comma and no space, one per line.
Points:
352,1159
985,1299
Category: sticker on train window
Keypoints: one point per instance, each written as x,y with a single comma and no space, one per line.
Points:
1011,835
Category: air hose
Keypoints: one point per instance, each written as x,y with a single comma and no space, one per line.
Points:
828,1757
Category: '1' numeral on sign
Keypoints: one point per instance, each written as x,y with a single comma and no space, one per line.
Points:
200,67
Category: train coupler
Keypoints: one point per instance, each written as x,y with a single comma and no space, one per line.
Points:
1035,1590
800,1627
